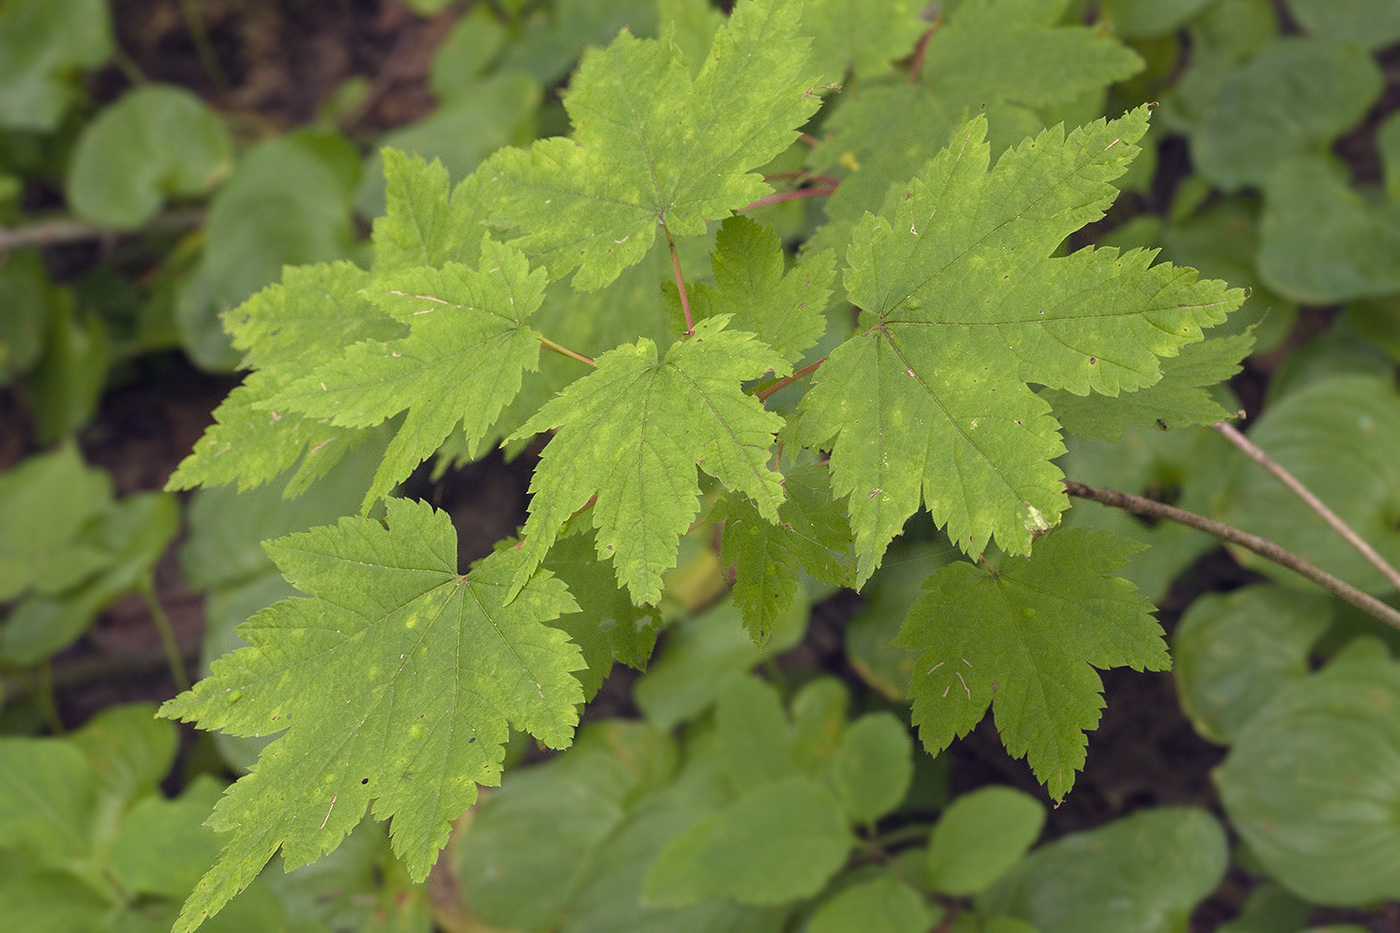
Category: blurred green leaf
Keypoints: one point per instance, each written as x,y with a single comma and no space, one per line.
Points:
885,905
1340,437
1144,873
64,387
27,297
1373,24
43,46
873,766
156,141
980,836
1140,19
1312,782
1235,652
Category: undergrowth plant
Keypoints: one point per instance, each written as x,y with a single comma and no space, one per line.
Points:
619,302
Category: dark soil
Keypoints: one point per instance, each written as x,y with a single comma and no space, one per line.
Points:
282,60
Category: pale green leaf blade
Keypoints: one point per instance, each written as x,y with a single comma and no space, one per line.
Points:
1373,24
1145,872
306,319
157,140
885,905
779,843
633,432
395,681
873,766
964,307
652,145
1180,399
980,836
43,46
1025,639
862,35
423,225
462,363
785,308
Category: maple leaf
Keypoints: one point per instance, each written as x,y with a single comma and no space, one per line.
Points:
1181,398
811,534
462,361
654,145
307,318
1021,637
786,308
633,431
865,34
963,306
426,221
395,682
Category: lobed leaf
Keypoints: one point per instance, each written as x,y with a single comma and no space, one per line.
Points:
964,306
1023,638
633,432
395,681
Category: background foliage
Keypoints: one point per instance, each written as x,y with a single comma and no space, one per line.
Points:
733,785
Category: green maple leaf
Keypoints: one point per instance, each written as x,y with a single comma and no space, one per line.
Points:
963,306
865,34
786,308
1181,398
395,682
1021,637
811,534
633,432
426,221
462,361
654,145
307,318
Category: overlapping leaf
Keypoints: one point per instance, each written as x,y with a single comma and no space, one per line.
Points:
652,144
632,433
1024,638
462,361
307,318
395,681
964,307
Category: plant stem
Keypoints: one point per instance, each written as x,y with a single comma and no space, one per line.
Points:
789,176
922,50
564,351
809,139
66,230
167,634
788,196
680,282
1302,492
789,380
194,23
1232,535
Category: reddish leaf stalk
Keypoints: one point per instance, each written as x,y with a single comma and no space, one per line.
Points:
789,380
922,49
680,283
788,196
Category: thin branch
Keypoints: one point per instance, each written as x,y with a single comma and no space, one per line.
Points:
1232,535
805,176
1313,502
809,139
67,230
788,196
680,283
564,351
203,47
789,380
922,50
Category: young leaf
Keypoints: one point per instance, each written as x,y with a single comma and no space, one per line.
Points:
1022,638
965,306
785,308
310,316
633,431
461,363
423,225
653,145
395,682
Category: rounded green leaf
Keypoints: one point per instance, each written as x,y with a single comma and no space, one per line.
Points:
154,142
47,799
754,735
1293,98
780,843
1234,653
1313,783
1341,438
43,43
1371,23
885,905
980,837
1144,873
873,766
